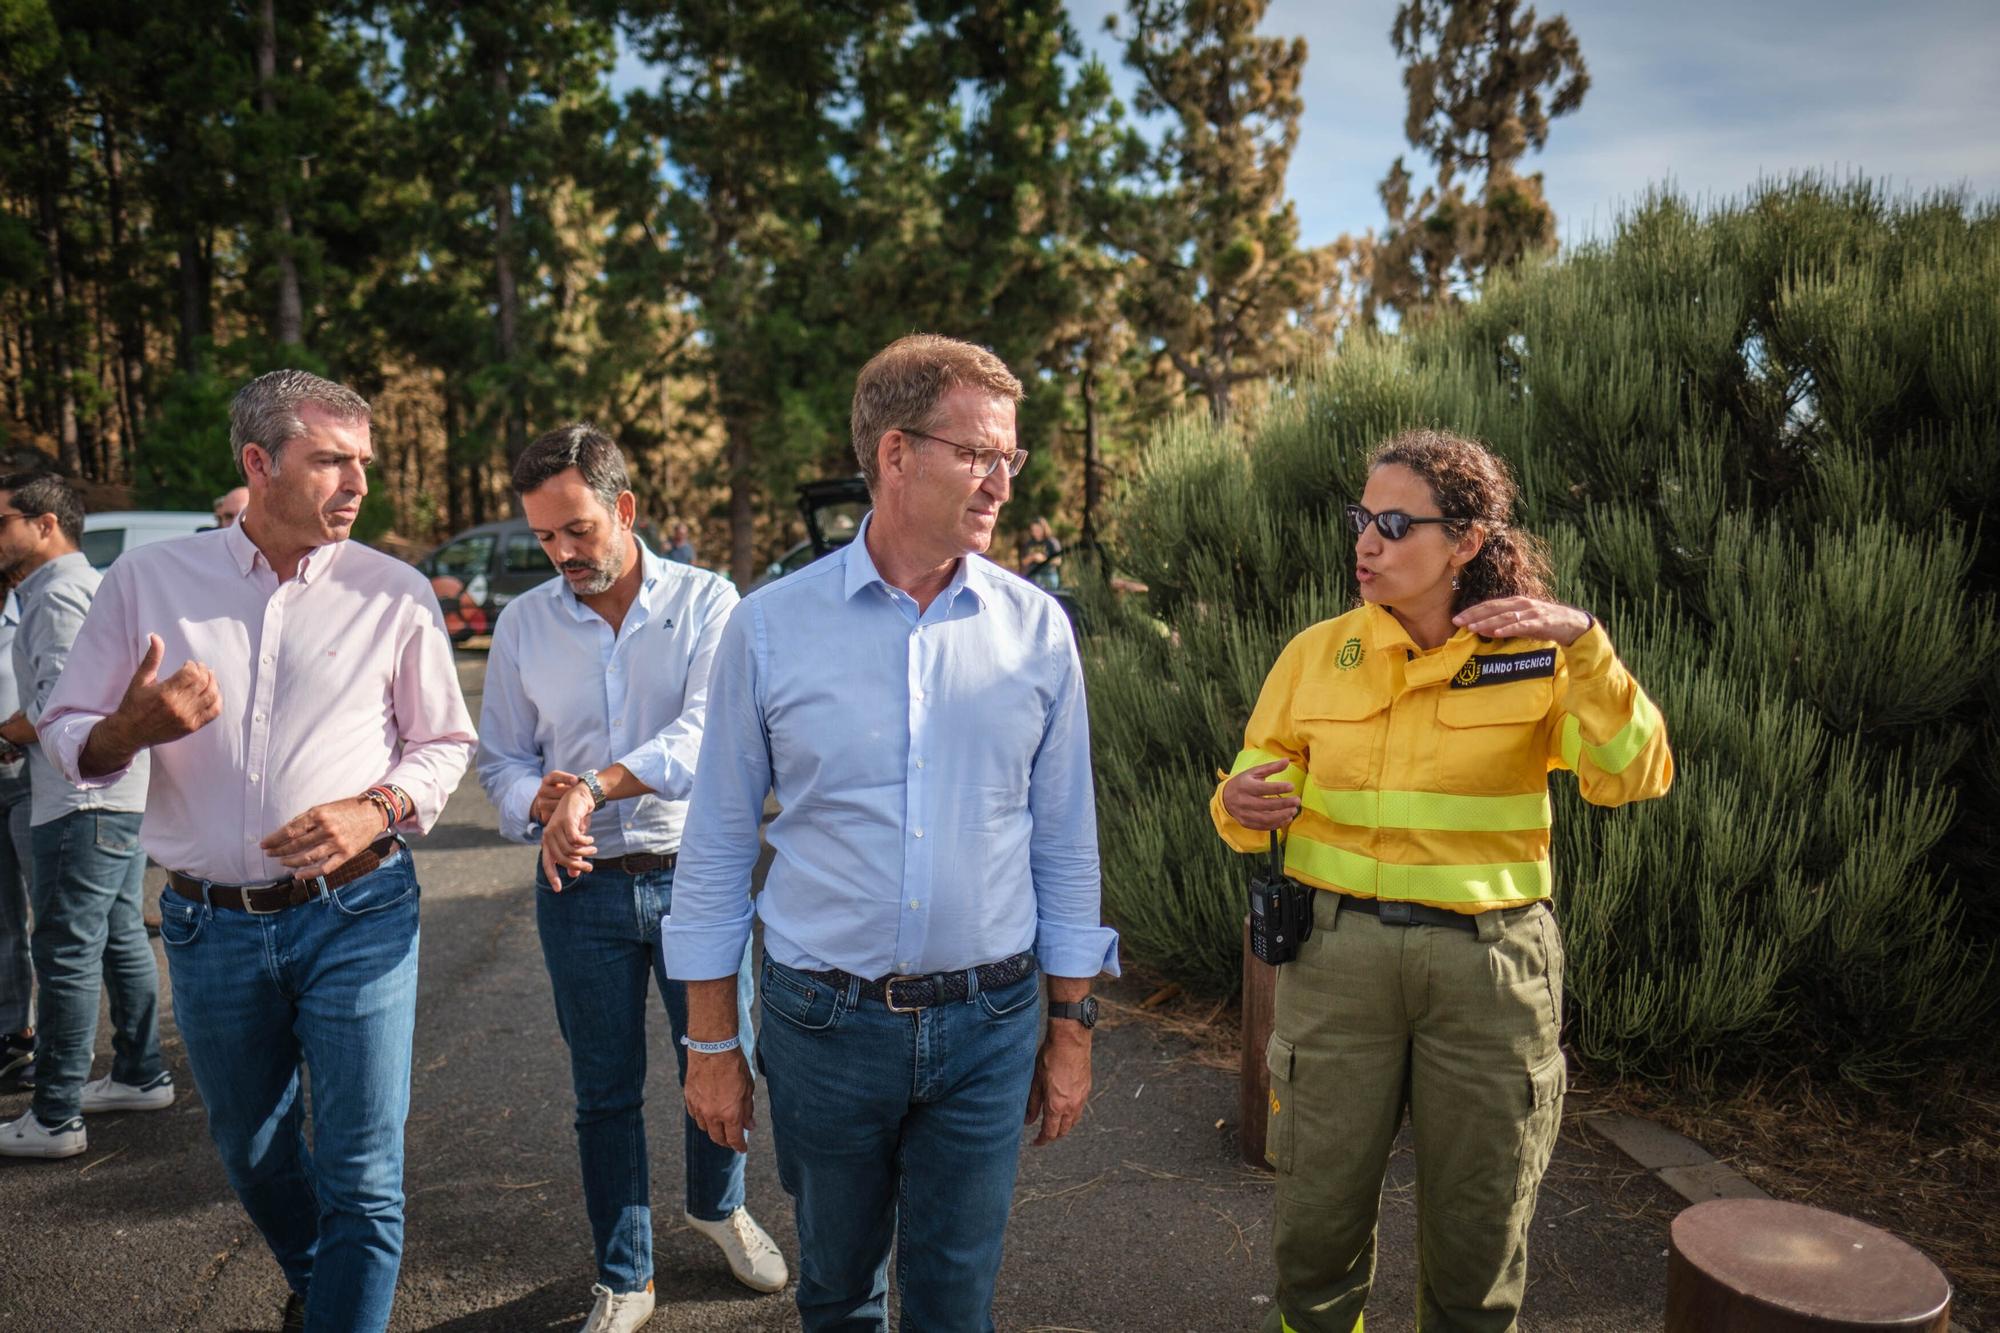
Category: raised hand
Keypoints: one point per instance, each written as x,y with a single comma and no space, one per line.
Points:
156,711
1255,803
1524,618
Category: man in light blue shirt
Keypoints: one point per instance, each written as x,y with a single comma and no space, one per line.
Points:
919,714
589,730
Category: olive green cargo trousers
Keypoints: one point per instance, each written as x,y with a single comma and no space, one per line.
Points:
1460,1028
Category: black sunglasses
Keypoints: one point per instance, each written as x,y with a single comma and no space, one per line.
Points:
1391,523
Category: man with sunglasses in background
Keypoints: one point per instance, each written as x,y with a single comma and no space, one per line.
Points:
919,714
89,872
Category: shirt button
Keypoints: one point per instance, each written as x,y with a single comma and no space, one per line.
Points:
920,833
920,763
253,778
267,659
260,717
913,904
916,694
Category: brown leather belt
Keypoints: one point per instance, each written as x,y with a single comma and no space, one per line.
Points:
263,899
636,863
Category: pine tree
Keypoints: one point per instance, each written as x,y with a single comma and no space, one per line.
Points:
1762,443
1484,81
1219,276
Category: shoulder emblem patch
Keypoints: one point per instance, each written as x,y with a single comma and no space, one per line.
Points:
1499,668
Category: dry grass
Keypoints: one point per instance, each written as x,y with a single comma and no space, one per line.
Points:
1922,1162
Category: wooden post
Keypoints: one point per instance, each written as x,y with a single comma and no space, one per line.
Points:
1260,993
1766,1266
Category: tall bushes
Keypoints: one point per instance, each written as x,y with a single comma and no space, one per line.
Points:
1762,439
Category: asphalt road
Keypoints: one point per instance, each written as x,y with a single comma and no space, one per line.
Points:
1140,1220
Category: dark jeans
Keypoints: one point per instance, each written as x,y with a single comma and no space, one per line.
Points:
89,876
331,983
879,1116
17,861
601,942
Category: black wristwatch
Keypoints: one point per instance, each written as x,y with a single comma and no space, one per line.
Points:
1083,1011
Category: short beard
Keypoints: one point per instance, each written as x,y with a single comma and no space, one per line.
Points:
602,577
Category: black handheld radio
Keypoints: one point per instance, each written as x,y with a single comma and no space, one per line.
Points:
1280,911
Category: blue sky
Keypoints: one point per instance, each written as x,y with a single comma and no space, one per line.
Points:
1709,94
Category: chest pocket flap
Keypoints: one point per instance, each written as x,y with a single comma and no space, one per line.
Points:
1327,703
1511,703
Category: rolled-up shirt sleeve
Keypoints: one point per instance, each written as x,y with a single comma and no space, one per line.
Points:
703,936
666,762
509,760
89,683
1070,937
432,725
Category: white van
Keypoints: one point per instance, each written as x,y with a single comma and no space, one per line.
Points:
108,535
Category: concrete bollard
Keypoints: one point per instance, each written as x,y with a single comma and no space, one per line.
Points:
1766,1266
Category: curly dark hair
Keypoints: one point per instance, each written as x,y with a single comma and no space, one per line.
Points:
1471,484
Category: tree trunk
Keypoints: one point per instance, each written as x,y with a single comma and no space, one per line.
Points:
1092,481
290,328
742,501
124,294
514,428
55,167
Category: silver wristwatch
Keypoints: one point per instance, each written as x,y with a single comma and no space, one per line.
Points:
596,789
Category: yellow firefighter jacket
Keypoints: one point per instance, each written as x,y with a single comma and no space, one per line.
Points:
1423,775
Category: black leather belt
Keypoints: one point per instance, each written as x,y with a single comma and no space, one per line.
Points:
1393,913
636,863
263,899
906,995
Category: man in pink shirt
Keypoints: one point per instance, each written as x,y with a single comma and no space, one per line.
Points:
297,693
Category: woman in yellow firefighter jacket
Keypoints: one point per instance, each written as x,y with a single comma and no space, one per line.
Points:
1406,749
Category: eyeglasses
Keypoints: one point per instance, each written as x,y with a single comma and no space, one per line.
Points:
15,514
984,462
1391,523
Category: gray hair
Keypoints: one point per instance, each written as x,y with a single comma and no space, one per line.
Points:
902,386
266,410
578,445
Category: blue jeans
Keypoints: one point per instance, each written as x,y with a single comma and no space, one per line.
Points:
601,941
17,862
89,877
877,1115
332,983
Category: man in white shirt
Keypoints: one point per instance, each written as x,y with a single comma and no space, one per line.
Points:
596,688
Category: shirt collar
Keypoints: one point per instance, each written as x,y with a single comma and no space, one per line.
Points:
247,557
969,577
10,613
1386,634
651,567
50,568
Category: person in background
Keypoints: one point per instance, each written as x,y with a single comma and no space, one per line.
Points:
919,714
1042,564
297,695
88,877
229,506
17,969
681,551
600,776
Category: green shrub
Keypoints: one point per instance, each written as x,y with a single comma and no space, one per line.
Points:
1762,441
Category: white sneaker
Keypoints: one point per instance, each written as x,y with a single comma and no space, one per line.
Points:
753,1256
619,1311
28,1137
106,1094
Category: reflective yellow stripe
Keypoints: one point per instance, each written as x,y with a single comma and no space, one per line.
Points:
1572,742
1286,1324
1616,755
1429,810
1291,773
1514,881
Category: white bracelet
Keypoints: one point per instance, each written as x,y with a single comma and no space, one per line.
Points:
712,1047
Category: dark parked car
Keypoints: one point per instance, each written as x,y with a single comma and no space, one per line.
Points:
482,569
